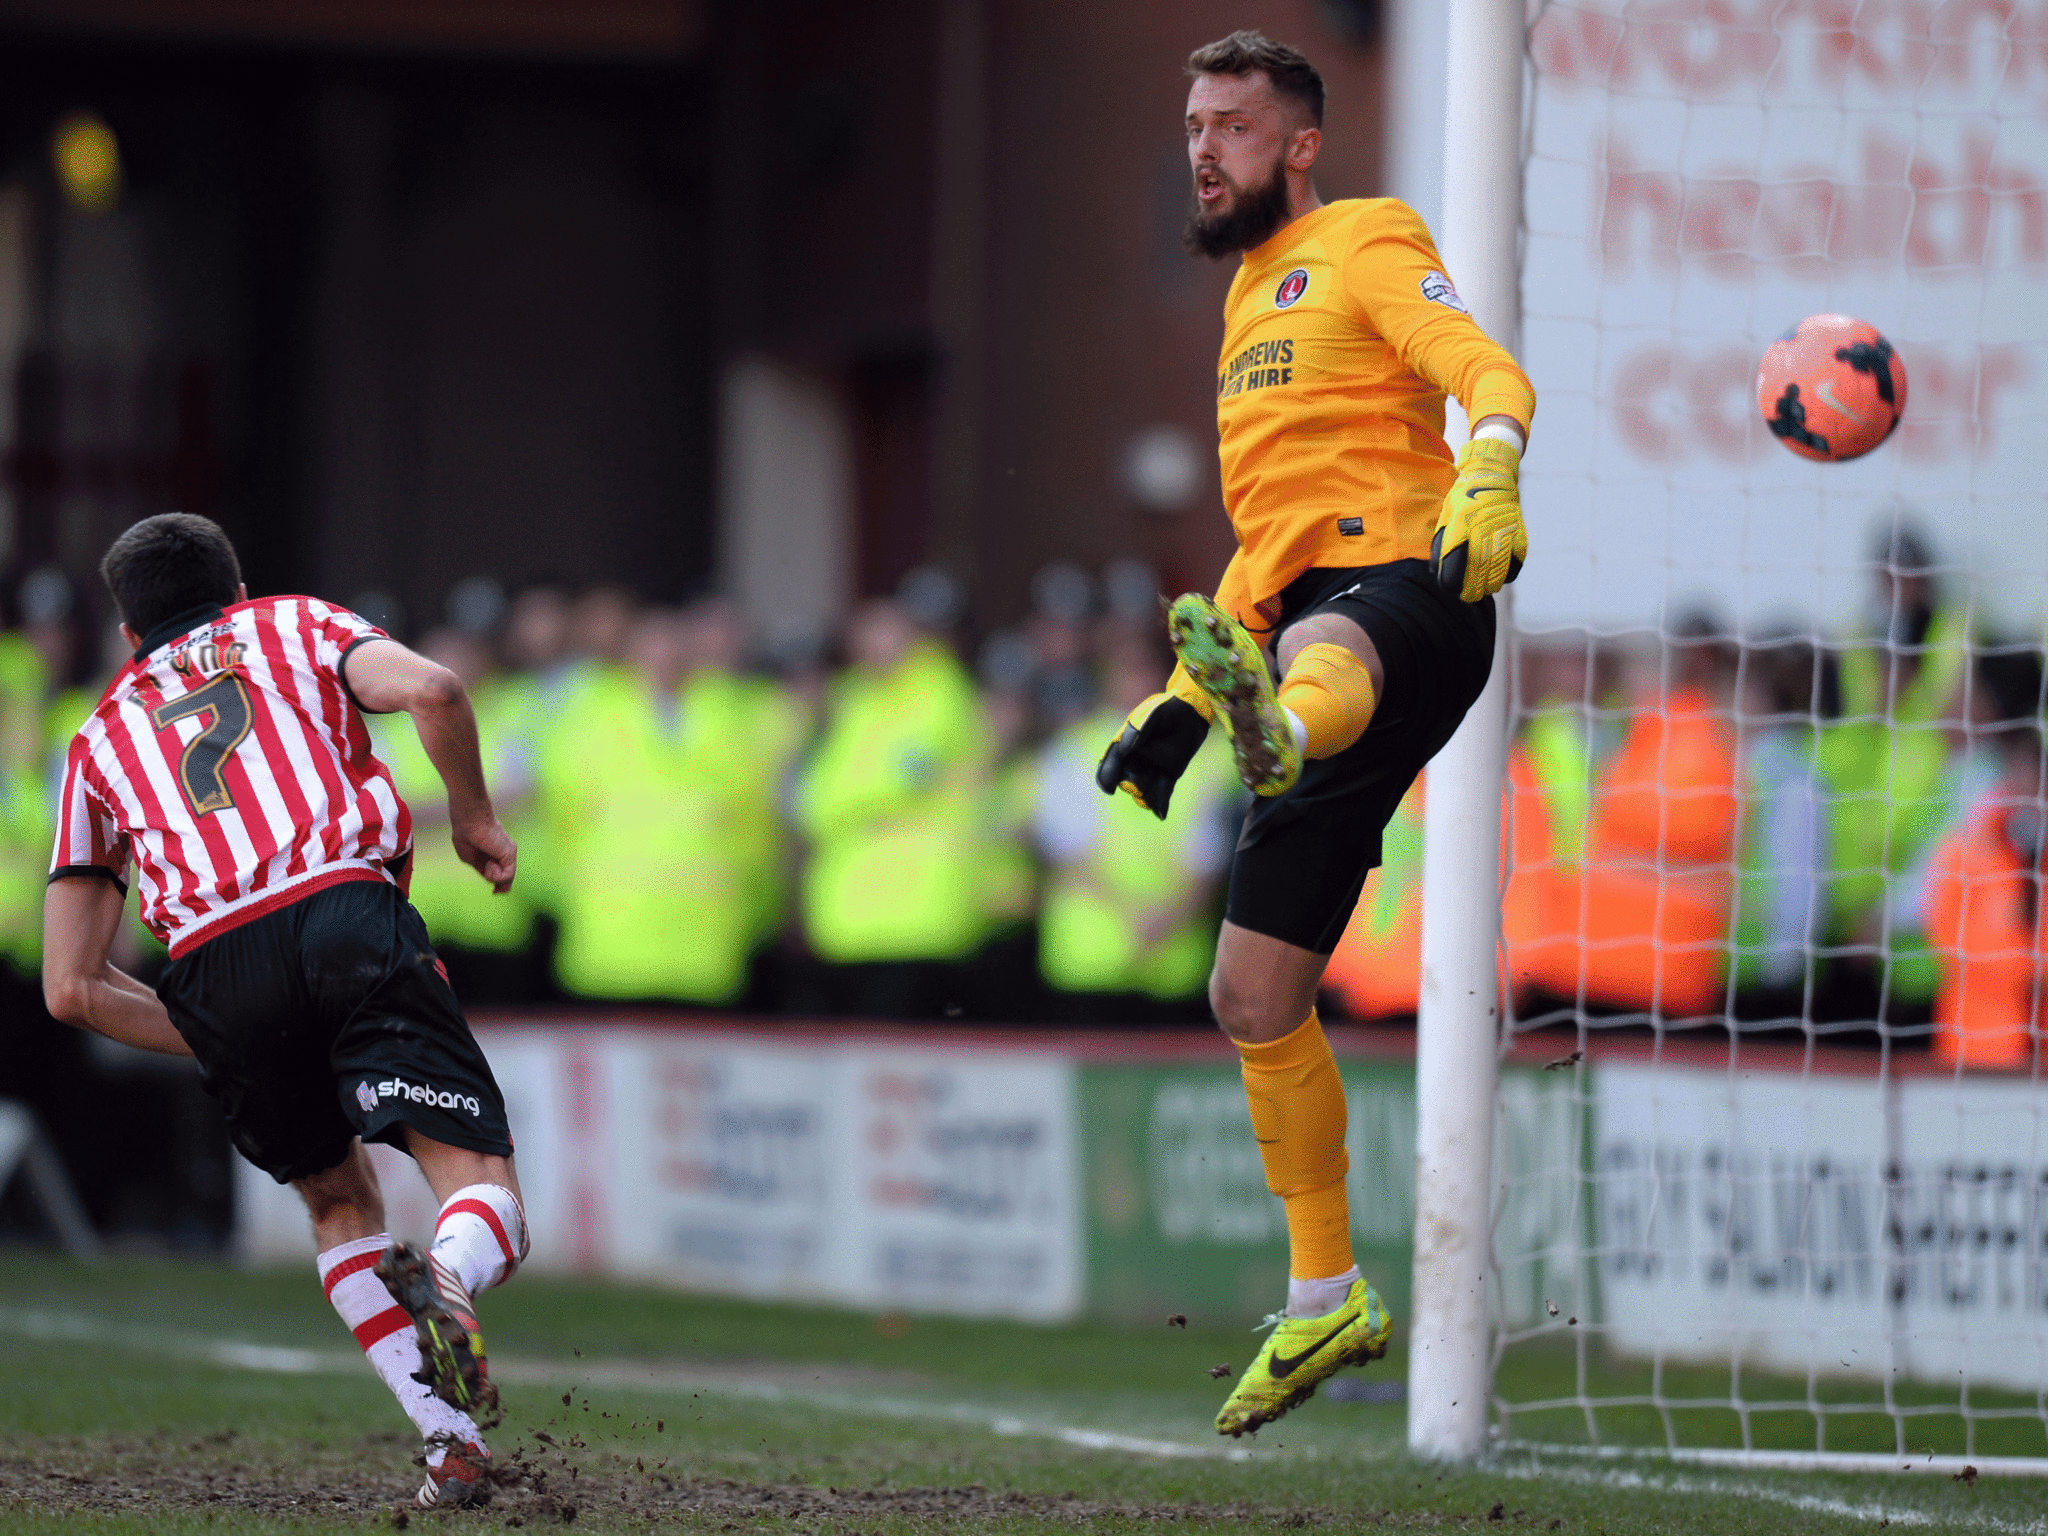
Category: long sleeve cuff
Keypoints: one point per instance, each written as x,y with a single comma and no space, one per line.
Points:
1503,392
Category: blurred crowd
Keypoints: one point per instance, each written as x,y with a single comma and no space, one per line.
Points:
1778,829
1784,831
902,825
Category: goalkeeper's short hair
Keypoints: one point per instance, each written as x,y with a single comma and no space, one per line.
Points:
1244,53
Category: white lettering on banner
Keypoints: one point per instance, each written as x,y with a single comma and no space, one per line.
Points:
1701,175
1825,1223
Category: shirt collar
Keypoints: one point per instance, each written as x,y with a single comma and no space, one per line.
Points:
176,625
1282,240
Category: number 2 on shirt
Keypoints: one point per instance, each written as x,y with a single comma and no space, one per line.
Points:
199,769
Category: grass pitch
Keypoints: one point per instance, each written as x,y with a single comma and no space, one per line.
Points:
145,1396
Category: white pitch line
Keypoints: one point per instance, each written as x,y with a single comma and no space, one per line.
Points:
70,1328
671,1377
275,1360
650,1377
1856,1463
1805,1503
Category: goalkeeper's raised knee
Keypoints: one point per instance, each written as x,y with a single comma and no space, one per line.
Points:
1330,694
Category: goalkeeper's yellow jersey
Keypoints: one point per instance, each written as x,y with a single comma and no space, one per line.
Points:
1341,337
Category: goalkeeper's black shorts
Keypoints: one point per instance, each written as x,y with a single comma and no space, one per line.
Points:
1302,857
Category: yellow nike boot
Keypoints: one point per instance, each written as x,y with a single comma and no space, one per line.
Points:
1223,662
1302,1354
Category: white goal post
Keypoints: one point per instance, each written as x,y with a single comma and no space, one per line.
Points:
1450,1335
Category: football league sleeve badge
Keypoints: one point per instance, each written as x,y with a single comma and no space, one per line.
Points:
1438,290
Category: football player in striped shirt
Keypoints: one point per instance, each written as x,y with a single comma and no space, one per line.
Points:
227,768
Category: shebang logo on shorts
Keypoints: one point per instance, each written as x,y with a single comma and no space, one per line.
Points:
414,1093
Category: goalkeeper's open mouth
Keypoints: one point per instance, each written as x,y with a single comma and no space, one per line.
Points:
1210,185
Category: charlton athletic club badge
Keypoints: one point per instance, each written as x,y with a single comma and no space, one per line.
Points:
1292,287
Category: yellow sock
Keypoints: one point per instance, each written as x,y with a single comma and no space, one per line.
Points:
1330,691
1297,1102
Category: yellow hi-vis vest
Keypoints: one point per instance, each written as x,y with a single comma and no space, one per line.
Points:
1883,769
550,717
1123,865
1561,757
59,719
23,684
456,903
27,824
652,891
528,709
1882,766
891,804
26,829
749,729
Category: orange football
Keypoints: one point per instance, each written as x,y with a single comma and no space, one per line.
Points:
1831,388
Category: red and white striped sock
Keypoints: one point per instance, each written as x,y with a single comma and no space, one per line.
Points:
480,1236
386,1336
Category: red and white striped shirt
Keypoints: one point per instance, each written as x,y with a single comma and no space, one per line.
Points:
231,765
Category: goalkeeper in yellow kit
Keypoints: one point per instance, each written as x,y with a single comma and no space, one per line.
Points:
1367,560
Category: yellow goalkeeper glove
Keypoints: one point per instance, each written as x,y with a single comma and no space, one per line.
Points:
1480,542
1159,739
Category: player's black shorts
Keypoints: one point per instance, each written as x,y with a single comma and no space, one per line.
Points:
330,1019
1302,857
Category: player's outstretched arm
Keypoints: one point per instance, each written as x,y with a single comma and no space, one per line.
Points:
81,914
385,677
1398,277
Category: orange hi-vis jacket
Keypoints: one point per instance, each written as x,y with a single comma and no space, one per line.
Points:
1376,969
1642,924
1375,972
1341,338
1986,923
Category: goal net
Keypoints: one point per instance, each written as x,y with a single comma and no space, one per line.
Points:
1772,911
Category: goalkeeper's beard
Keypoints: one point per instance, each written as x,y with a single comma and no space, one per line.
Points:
1254,213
